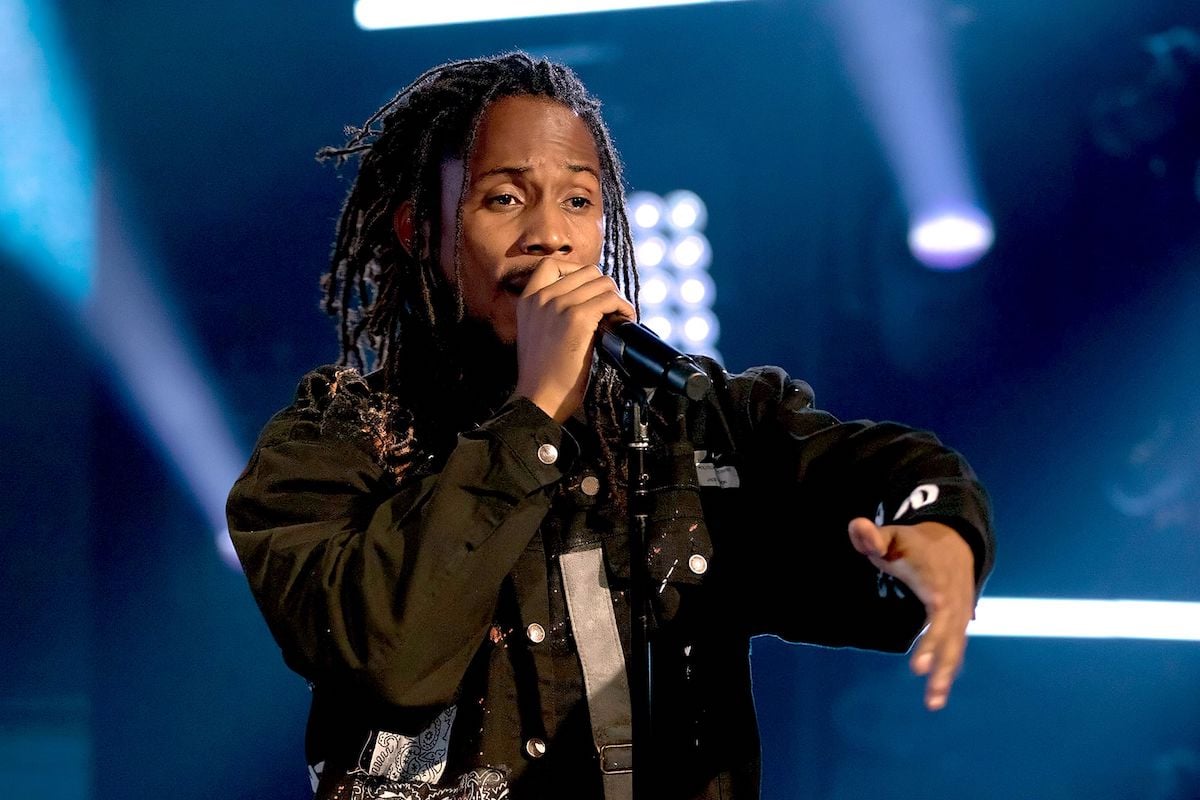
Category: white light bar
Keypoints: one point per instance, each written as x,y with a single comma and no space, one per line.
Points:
1086,619
374,15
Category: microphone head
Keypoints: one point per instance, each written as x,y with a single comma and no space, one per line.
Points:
687,378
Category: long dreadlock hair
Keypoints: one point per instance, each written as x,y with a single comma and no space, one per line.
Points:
394,308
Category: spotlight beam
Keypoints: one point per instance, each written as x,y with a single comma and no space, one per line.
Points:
897,58
58,222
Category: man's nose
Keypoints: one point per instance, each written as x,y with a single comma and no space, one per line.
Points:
546,231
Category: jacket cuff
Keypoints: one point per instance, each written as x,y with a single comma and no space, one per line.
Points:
950,503
540,445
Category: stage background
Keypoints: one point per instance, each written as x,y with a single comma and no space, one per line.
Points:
1065,364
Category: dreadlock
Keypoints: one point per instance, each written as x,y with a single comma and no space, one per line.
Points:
394,309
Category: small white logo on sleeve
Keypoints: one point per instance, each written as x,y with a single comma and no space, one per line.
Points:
921,496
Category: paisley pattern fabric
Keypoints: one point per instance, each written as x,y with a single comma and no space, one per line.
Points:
478,784
393,765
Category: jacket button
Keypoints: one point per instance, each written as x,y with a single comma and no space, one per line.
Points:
698,564
535,633
547,454
535,747
590,485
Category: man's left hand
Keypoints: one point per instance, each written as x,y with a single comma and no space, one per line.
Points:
938,565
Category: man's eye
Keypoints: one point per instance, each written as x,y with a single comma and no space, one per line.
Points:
502,200
579,202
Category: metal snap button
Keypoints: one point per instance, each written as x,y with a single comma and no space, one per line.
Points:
535,633
590,485
535,747
698,564
547,454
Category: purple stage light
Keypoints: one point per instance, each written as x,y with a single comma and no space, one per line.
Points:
951,240
898,59
148,357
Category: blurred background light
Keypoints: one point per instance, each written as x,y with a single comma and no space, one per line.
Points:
656,287
374,15
673,255
685,210
898,59
58,220
691,251
696,289
646,210
700,330
661,324
1086,619
47,178
651,249
159,372
951,240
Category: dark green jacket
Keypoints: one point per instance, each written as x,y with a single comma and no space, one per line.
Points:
411,589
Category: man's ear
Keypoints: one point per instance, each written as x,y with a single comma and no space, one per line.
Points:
402,224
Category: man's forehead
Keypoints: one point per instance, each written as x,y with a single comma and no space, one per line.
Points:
524,133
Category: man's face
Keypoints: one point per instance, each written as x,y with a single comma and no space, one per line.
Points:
534,191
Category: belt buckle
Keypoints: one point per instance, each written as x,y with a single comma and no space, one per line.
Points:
619,762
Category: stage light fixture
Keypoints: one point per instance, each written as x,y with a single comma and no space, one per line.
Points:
898,58
651,250
646,210
661,325
673,255
700,329
657,286
373,15
951,240
691,251
695,290
685,210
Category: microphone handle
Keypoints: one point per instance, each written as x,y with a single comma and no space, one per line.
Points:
642,357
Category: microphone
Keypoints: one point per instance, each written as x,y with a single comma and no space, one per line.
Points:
640,356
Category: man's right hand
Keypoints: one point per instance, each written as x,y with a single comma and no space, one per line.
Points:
557,317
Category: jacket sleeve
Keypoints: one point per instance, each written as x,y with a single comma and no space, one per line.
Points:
808,474
388,583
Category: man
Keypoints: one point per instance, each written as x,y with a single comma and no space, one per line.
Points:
441,547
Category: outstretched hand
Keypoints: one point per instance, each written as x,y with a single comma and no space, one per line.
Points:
938,565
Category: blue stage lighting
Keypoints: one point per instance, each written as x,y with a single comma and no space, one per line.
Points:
47,218
1086,619
159,374
52,212
374,15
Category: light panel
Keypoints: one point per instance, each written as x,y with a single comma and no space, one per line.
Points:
1086,619
374,15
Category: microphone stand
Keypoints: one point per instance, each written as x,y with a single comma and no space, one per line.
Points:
638,442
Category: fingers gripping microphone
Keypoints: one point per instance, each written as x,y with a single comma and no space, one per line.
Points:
647,360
